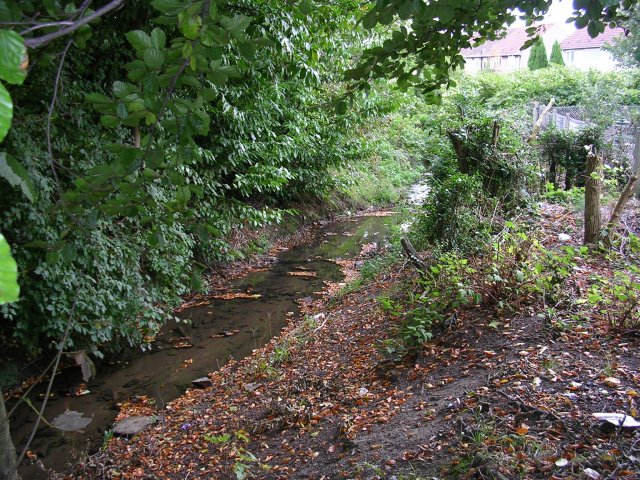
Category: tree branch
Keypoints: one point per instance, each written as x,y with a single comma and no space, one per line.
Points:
43,40
46,25
50,114
65,336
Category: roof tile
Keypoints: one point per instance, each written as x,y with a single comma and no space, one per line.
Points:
580,39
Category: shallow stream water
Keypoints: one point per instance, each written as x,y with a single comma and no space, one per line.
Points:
164,372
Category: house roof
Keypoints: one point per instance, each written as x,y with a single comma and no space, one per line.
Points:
580,39
510,44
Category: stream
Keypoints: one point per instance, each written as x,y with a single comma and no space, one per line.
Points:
216,331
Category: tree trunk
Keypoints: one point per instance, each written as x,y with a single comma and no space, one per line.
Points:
461,151
592,193
136,137
551,177
8,469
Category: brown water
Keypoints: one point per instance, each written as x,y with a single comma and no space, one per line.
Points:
164,372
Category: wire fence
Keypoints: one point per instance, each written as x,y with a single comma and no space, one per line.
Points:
621,127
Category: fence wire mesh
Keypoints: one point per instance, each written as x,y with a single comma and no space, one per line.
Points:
621,126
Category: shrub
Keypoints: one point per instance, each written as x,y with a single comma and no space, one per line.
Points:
455,215
565,153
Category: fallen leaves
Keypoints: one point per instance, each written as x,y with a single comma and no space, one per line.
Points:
511,389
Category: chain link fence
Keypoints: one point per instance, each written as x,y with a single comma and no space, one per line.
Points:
621,127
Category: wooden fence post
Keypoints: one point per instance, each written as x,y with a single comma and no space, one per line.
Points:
592,194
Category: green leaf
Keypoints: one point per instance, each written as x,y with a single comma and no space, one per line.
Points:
305,7
122,89
236,25
582,21
262,42
189,25
110,121
150,118
68,253
445,13
341,107
6,111
158,39
14,53
133,119
139,40
9,288
247,50
153,58
17,176
196,281
594,28
122,110
97,98
213,11
406,9
370,19
171,7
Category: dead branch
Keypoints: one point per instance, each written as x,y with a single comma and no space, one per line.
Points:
536,127
36,42
496,134
625,196
411,253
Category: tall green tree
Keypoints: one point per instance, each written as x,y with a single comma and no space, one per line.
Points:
538,56
556,54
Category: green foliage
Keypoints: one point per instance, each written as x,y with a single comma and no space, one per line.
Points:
566,153
556,54
511,270
13,71
235,119
484,181
602,90
9,288
455,215
617,299
538,56
441,291
574,196
625,48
